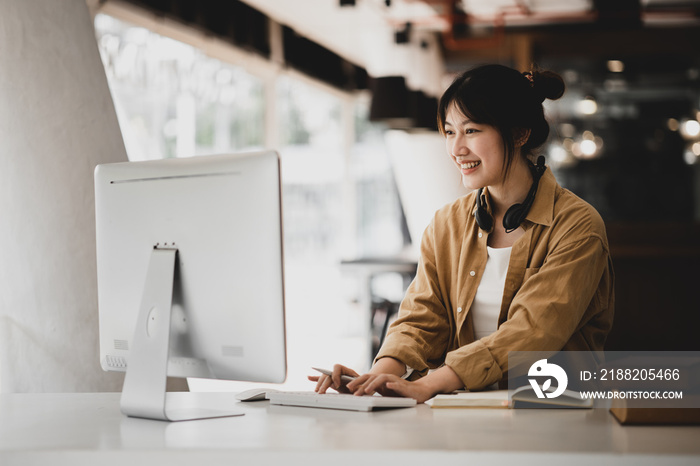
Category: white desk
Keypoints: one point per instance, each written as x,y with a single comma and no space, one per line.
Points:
88,429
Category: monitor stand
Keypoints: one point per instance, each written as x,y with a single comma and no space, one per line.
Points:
144,393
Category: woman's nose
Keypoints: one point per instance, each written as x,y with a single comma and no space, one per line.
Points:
458,146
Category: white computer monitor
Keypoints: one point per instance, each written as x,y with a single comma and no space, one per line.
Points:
190,274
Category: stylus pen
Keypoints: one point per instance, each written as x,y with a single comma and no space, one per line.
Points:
344,378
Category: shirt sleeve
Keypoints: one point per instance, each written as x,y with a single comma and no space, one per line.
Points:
545,312
419,336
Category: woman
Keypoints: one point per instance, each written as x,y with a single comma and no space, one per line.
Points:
520,264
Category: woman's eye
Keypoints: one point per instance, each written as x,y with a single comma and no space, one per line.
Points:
471,131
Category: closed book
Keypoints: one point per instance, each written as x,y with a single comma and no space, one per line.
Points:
522,397
525,397
466,399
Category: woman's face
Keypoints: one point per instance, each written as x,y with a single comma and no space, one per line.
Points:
476,149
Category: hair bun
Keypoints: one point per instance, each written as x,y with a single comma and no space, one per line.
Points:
547,84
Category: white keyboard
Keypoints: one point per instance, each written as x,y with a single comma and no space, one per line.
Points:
338,401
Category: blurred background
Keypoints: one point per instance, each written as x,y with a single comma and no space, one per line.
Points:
346,91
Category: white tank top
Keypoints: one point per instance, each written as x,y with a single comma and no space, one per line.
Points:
489,295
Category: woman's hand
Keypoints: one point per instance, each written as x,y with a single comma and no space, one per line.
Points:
391,385
382,379
369,384
442,380
324,382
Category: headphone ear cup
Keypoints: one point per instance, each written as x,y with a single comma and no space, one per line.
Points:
483,218
514,216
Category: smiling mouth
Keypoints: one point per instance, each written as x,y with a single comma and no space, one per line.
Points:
468,165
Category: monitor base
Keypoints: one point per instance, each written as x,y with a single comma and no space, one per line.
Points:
144,390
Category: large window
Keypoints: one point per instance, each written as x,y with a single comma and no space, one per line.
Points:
322,327
311,143
174,101
381,230
339,197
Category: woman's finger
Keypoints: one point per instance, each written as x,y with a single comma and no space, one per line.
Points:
338,371
323,384
358,382
364,383
378,384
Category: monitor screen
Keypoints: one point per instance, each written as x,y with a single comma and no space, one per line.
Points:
219,219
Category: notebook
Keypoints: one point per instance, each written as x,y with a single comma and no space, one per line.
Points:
465,399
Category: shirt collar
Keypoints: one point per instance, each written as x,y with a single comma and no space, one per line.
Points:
542,210
485,200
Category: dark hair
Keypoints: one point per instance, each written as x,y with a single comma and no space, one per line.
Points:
506,99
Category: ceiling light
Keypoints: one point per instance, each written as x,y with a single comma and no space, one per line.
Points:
690,129
587,106
559,156
616,66
557,153
588,148
696,149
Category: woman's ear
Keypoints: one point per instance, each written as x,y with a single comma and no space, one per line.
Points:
521,136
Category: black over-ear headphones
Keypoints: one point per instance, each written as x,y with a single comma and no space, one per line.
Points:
515,215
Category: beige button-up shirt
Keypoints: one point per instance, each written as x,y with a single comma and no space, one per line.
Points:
558,293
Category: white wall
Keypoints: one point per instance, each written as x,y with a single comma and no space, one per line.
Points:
57,121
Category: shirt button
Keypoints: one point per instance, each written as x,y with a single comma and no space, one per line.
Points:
459,309
472,273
